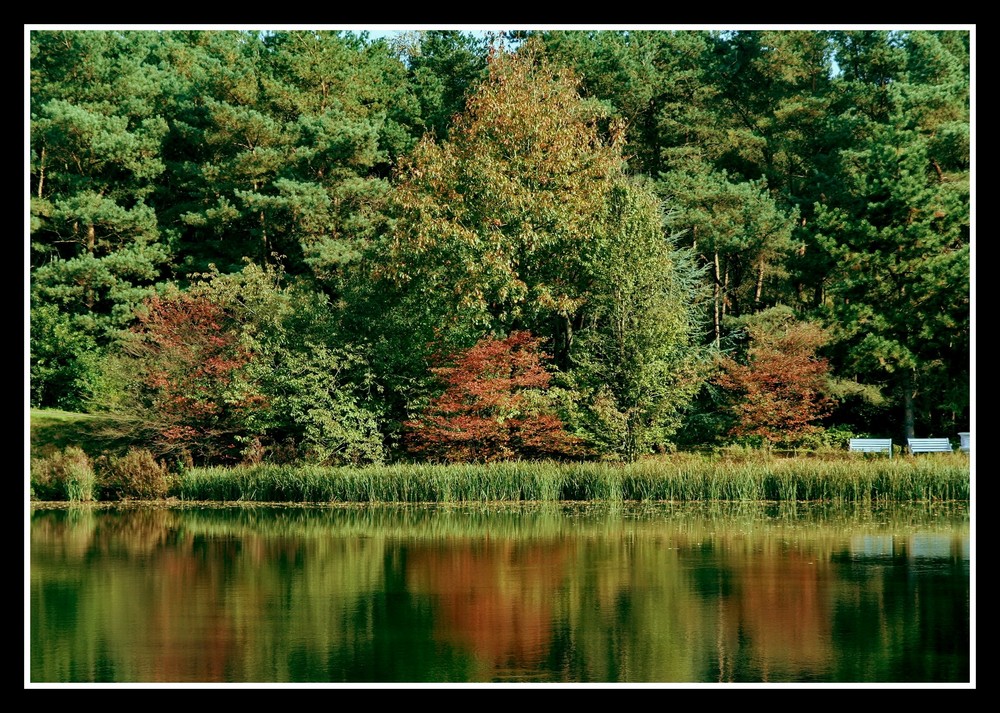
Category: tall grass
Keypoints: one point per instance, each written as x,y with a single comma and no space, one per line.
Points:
679,478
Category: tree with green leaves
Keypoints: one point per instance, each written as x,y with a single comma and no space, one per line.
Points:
240,367
320,402
491,226
657,84
636,361
738,230
283,147
445,66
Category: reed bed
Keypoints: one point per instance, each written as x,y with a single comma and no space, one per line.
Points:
672,479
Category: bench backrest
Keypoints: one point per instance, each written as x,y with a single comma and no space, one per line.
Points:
871,445
929,445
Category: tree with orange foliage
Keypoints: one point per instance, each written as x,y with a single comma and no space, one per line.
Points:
494,407
782,388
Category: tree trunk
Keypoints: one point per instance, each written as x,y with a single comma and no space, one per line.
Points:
760,283
562,341
909,392
41,172
263,234
725,290
716,294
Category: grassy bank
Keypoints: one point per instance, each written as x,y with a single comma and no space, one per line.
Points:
678,478
71,460
53,430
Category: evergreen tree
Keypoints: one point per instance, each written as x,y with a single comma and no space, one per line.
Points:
898,227
97,130
740,233
445,67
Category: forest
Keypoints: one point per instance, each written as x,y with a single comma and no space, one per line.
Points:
319,247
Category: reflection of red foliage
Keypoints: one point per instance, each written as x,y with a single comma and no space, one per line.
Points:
781,610
493,408
185,652
494,597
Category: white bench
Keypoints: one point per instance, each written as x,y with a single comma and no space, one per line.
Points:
871,445
929,445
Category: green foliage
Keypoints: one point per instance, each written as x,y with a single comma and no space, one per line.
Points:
63,474
314,387
490,224
285,145
242,366
62,360
96,141
737,228
96,155
78,306
445,66
314,401
897,226
435,189
636,360
659,83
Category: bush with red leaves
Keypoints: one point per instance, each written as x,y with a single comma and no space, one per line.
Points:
188,354
781,392
494,407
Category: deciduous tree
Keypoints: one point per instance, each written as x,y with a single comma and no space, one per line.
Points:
637,359
780,389
187,352
490,227
494,406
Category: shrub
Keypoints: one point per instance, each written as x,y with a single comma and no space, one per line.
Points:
495,406
63,475
780,391
135,475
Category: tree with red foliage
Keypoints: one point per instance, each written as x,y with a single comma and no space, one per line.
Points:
187,354
782,389
495,406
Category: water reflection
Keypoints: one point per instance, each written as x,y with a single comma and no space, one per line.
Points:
651,593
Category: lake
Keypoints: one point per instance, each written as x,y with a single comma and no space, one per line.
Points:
653,593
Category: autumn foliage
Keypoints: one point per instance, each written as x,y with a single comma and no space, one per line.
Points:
494,407
779,394
188,355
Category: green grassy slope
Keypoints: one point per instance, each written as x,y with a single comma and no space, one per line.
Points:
52,429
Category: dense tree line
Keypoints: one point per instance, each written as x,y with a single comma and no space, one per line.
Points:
289,245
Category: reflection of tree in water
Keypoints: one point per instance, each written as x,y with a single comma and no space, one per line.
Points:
915,609
493,597
147,581
353,596
773,613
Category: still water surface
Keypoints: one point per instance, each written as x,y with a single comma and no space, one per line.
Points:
652,593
